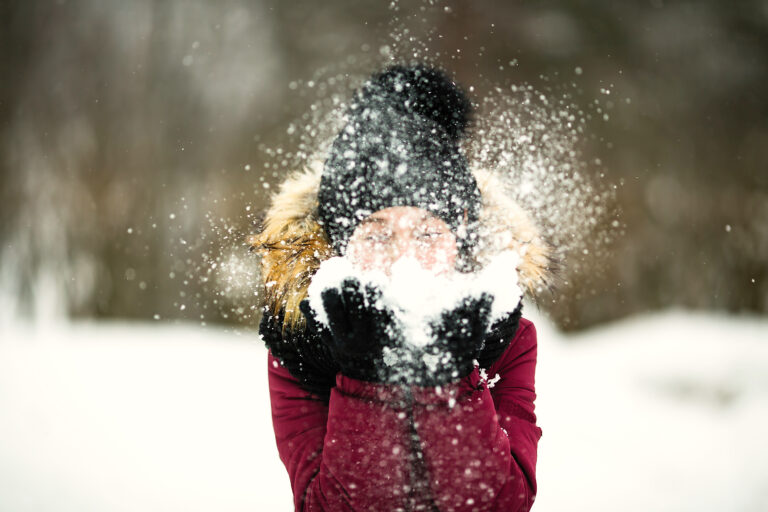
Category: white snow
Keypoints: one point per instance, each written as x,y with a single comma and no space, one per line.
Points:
417,295
664,412
108,417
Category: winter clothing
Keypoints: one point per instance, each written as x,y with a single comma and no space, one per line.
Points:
498,338
311,359
363,333
400,147
464,446
292,244
358,330
460,336
442,440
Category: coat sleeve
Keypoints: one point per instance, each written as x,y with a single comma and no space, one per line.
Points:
356,452
349,454
480,451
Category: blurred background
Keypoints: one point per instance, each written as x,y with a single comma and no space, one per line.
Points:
140,140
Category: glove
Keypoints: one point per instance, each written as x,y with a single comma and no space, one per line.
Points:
499,336
359,327
459,335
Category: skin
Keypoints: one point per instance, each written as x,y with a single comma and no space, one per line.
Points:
403,231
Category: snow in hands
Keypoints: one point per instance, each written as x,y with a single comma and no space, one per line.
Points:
421,300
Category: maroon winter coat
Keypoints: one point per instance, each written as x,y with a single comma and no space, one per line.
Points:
476,441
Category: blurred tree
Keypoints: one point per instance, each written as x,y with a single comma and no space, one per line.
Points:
138,139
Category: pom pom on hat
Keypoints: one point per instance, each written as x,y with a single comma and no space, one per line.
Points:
422,91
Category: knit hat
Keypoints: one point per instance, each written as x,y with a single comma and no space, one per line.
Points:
400,147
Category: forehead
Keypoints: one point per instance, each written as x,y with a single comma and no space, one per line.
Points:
403,216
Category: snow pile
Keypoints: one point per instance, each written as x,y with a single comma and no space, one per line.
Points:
418,296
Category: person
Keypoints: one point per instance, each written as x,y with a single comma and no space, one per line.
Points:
361,420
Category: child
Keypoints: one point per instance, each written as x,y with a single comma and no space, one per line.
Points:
366,418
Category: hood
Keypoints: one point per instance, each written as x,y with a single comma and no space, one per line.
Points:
292,244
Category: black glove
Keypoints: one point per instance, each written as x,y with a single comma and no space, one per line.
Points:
499,336
359,327
459,335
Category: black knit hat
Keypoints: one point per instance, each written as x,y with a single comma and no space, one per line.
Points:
400,147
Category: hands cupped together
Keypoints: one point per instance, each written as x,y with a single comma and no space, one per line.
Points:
369,339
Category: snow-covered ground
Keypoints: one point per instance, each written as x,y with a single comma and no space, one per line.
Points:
665,412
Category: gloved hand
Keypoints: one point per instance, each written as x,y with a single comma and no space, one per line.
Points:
458,335
359,327
500,335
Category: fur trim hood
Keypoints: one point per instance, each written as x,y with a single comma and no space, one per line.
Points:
292,244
